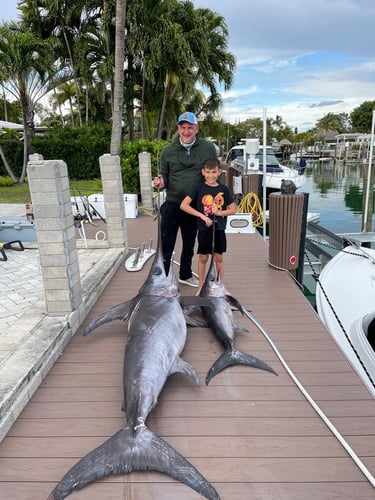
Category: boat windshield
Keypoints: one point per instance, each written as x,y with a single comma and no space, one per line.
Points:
270,159
235,154
273,164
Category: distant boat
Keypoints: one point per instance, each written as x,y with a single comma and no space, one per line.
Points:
311,216
345,301
275,171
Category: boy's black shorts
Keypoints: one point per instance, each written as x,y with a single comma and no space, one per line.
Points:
205,241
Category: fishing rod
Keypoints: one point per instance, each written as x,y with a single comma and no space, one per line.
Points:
86,216
86,205
213,242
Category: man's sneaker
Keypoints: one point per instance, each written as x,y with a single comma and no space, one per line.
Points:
193,281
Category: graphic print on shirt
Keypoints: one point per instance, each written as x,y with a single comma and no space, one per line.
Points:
208,201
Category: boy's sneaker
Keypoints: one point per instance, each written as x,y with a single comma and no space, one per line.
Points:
193,281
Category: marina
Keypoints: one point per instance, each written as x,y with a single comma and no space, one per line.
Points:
306,432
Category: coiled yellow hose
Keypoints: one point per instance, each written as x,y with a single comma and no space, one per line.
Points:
250,204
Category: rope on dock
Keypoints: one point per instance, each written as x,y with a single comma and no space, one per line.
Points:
318,410
250,204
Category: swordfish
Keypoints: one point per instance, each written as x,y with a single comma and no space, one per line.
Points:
220,319
156,337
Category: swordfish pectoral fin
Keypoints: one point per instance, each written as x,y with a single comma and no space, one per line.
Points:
129,451
235,304
240,328
189,312
190,321
181,366
118,312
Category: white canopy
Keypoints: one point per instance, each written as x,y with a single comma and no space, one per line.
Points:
15,126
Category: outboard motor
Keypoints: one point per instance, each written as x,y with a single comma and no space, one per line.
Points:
301,166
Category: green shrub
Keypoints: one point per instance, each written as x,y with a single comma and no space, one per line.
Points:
6,181
129,161
13,151
80,148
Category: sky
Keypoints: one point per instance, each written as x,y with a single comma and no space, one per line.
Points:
298,59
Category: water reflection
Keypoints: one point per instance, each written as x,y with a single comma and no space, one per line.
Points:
336,192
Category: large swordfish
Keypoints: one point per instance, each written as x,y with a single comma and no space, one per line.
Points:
220,319
156,338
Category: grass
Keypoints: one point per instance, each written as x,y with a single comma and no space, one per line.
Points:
21,194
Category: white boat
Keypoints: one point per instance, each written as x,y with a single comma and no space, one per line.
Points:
275,171
311,216
345,301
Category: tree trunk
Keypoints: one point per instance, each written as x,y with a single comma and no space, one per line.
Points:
7,167
163,109
118,91
28,133
143,125
74,76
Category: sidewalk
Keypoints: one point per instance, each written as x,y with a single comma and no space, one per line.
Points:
30,341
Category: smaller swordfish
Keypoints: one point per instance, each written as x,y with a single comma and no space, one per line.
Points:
220,319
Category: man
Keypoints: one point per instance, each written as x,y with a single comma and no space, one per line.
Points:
181,164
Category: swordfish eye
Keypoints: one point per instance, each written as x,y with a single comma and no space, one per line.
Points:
157,271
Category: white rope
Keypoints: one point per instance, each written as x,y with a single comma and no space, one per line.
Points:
318,410
81,231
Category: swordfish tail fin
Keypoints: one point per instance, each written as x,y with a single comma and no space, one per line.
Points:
232,357
128,451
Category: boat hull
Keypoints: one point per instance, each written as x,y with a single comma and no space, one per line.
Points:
344,298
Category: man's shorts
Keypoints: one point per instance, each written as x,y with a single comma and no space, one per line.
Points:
205,241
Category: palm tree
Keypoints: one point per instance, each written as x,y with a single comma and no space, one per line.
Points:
170,47
187,47
207,35
63,23
63,93
28,72
119,78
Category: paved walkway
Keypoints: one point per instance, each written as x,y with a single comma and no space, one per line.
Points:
30,341
21,284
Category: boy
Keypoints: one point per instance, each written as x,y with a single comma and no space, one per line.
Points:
211,202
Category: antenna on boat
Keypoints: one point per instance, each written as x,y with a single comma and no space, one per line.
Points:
368,186
264,169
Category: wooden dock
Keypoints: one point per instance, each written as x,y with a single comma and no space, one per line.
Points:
253,435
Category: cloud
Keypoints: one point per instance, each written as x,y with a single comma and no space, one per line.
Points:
302,59
325,104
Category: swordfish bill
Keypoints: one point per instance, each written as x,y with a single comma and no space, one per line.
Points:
156,337
220,319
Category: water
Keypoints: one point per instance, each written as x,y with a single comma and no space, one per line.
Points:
336,192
